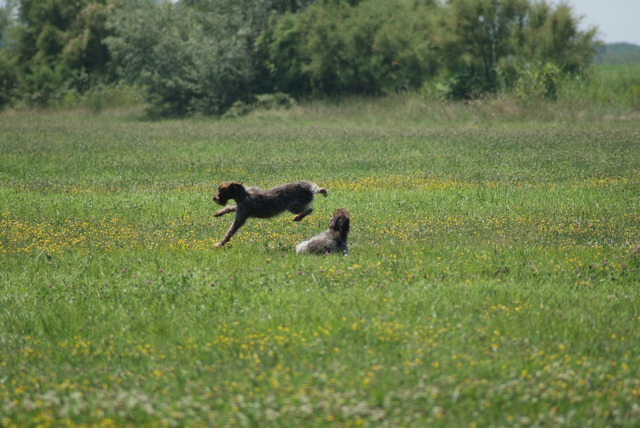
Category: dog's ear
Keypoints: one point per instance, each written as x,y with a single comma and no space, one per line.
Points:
229,185
344,226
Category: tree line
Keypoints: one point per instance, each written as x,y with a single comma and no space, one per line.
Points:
207,56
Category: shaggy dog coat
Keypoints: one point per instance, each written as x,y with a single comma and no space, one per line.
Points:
330,241
295,197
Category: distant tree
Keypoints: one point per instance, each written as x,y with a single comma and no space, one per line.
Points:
278,6
351,47
618,53
59,39
194,56
204,55
476,34
191,57
553,35
484,41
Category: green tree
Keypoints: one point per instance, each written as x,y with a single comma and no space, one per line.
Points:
553,35
476,34
191,57
194,56
351,47
60,39
482,41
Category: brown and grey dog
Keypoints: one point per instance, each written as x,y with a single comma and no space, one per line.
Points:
295,197
330,241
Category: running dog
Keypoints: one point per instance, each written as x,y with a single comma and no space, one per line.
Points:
295,197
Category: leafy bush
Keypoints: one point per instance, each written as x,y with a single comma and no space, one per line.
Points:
275,100
278,100
538,81
378,47
44,82
239,108
462,86
552,35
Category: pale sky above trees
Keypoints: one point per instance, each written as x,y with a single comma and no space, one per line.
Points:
616,19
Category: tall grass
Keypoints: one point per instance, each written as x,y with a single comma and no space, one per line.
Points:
613,86
606,92
492,276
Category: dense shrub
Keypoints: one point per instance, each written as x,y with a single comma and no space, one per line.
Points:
278,100
462,86
170,50
43,82
538,81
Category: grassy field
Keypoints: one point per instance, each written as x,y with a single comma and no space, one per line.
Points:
492,280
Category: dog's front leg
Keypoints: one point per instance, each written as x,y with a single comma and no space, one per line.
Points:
237,224
225,211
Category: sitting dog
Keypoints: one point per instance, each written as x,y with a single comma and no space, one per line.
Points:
295,197
329,241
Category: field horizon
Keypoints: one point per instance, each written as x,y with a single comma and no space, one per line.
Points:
492,276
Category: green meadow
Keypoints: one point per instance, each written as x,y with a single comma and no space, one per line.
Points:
492,280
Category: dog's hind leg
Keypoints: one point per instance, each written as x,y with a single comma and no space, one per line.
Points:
303,214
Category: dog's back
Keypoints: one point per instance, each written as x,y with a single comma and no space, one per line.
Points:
295,197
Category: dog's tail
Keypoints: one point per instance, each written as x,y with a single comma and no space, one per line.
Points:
317,189
340,222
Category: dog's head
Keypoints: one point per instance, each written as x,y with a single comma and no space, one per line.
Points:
227,190
340,222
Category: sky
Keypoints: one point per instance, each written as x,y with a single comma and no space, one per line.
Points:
617,20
